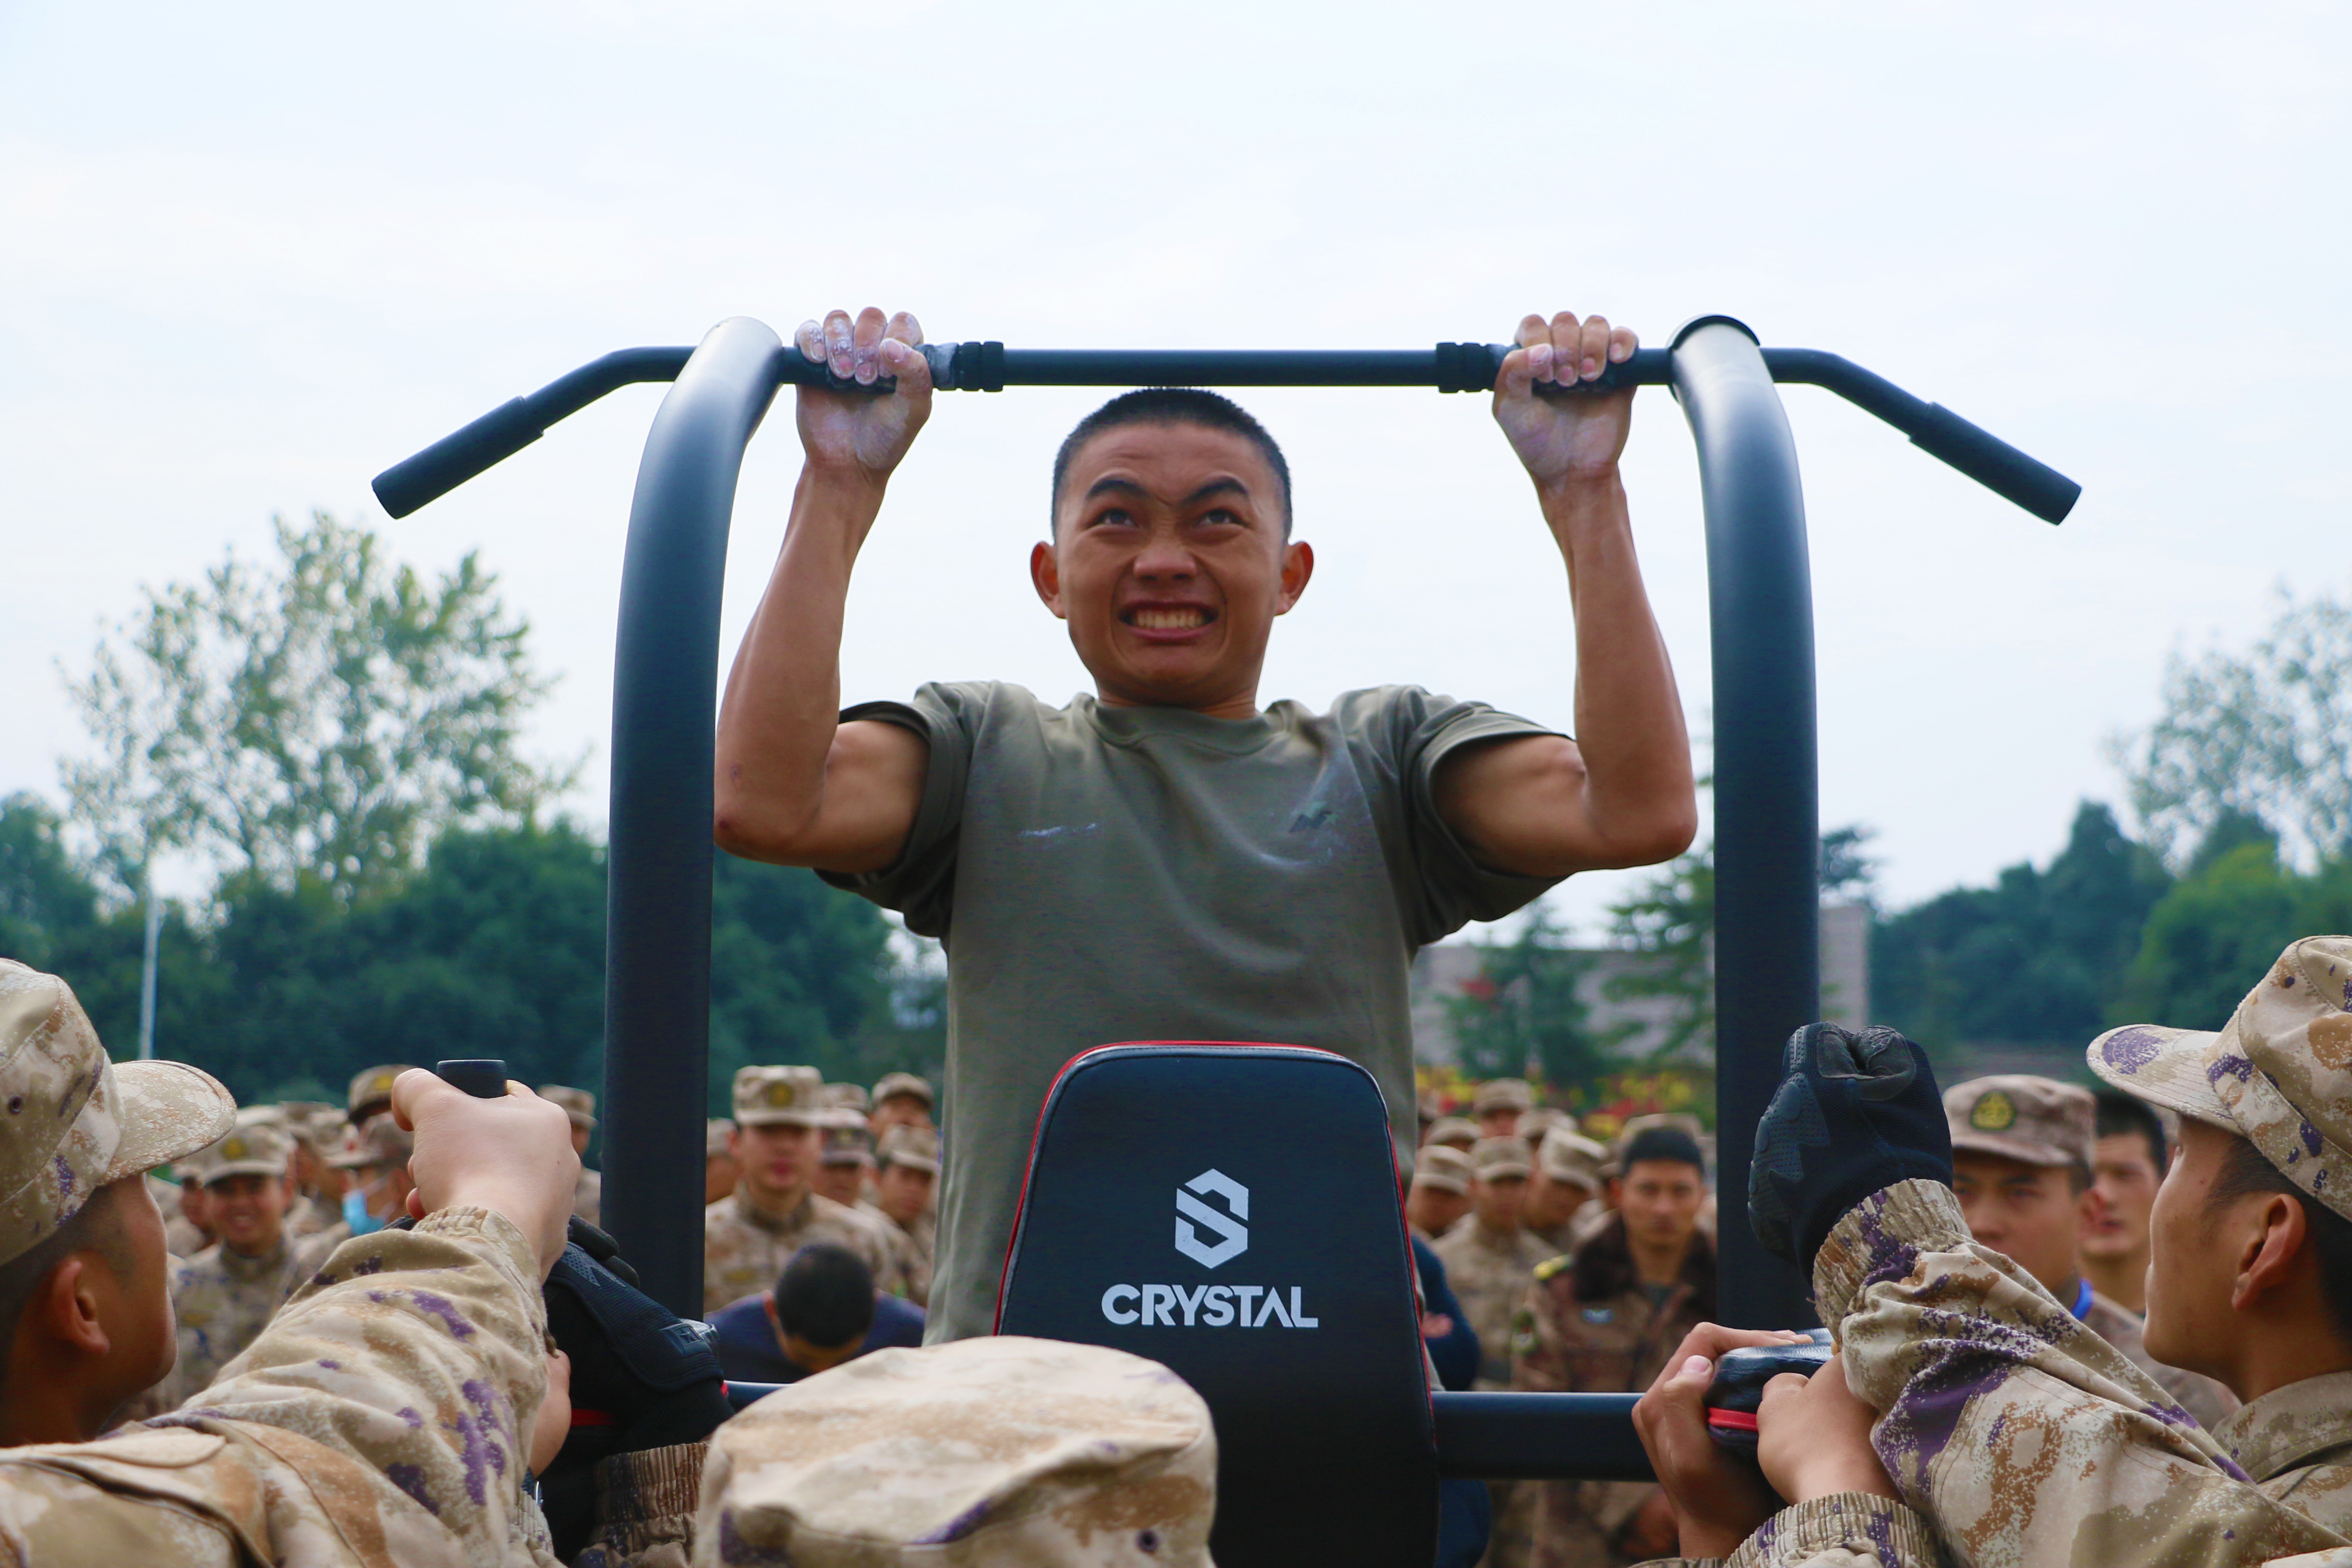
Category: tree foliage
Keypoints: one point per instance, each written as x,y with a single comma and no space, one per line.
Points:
2217,931
2265,733
1522,1011
321,719
1670,918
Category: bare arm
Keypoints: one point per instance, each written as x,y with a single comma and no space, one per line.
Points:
1623,792
793,785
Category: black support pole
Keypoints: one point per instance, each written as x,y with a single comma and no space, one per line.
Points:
1767,800
658,936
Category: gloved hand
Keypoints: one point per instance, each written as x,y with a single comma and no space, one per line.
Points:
642,1377
1854,1113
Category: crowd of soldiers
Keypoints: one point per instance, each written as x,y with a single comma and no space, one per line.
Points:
1580,1265
255,1214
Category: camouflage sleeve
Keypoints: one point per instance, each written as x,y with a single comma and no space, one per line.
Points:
1848,1530
1538,1349
645,1503
2021,1436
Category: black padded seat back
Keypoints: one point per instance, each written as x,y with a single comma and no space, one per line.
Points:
1231,1210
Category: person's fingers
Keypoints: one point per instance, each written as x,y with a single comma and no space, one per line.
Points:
1518,373
1774,1402
1711,1339
1566,333
905,328
865,346
1532,330
1622,341
1593,348
809,337
839,342
908,363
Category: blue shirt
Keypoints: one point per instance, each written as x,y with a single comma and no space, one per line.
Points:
745,1337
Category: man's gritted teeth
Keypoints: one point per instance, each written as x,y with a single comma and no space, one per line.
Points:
1168,618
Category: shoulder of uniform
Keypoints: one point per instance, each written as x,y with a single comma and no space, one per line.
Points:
1551,1265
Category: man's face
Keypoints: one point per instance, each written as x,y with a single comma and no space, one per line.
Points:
384,1188
2122,1169
136,1304
776,1161
902,1191
1500,1123
1551,1201
249,1211
898,1111
1433,1211
196,1208
2190,1266
2028,1212
1500,1201
1660,1200
843,1183
1169,563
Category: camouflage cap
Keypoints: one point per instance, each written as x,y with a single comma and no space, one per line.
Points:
779,1096
1503,1094
74,1120
846,1139
1533,1124
1499,1159
382,1141
897,1083
373,1084
578,1103
2017,1116
715,1132
2278,1074
1443,1167
1453,1132
1429,1105
915,1148
980,1453
845,1097
1570,1156
254,1149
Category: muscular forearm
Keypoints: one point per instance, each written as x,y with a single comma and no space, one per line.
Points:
777,719
1639,796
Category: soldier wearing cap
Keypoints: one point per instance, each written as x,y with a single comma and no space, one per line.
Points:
1563,1202
314,1450
1499,1104
588,1196
318,1186
1603,1319
846,1158
187,1218
905,1182
1452,1132
371,1093
987,1453
2021,1168
718,1159
748,1235
374,1163
901,1100
1488,1255
223,1296
1439,1194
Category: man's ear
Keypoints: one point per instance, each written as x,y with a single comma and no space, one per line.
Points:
1298,566
2271,1250
68,1308
1046,573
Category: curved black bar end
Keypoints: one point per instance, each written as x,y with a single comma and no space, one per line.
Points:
456,457
1995,464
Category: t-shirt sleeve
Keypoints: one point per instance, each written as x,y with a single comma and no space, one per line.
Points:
1400,734
920,884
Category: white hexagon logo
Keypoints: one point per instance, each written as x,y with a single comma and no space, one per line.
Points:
1232,1236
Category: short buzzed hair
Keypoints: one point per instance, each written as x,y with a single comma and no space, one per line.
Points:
2121,1113
1668,1144
1174,406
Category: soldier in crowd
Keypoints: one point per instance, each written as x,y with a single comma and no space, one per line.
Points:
1428,1106
1536,1124
1603,1321
588,1195
1439,1193
188,1225
905,1184
2021,1166
315,1452
1451,1133
718,1159
371,1093
1564,1190
820,1311
223,1296
374,1163
1498,1105
318,1186
901,1100
1488,1258
772,1212
1069,1455
847,1159
2127,1164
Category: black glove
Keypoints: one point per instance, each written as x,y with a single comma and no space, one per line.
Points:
642,1377
1854,1113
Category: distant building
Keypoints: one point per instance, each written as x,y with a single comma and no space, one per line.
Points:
1445,971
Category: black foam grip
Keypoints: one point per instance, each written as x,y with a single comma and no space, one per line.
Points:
484,1078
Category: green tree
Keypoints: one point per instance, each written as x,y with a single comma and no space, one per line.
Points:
2265,734
325,717
1670,918
2222,926
1522,1009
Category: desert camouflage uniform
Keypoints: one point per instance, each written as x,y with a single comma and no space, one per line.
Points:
743,1250
1490,1274
1586,1325
916,1246
381,1419
2203,1398
223,1299
310,1215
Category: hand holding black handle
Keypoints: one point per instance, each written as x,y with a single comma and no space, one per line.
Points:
484,1078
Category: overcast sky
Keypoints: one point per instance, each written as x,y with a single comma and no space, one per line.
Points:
250,255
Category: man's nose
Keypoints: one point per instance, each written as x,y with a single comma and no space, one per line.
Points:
1164,558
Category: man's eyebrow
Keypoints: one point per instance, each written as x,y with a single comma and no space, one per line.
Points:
1113,484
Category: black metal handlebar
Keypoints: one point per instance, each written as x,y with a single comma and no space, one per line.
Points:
1448,367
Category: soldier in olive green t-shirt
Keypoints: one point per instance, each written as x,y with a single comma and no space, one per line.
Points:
1164,859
